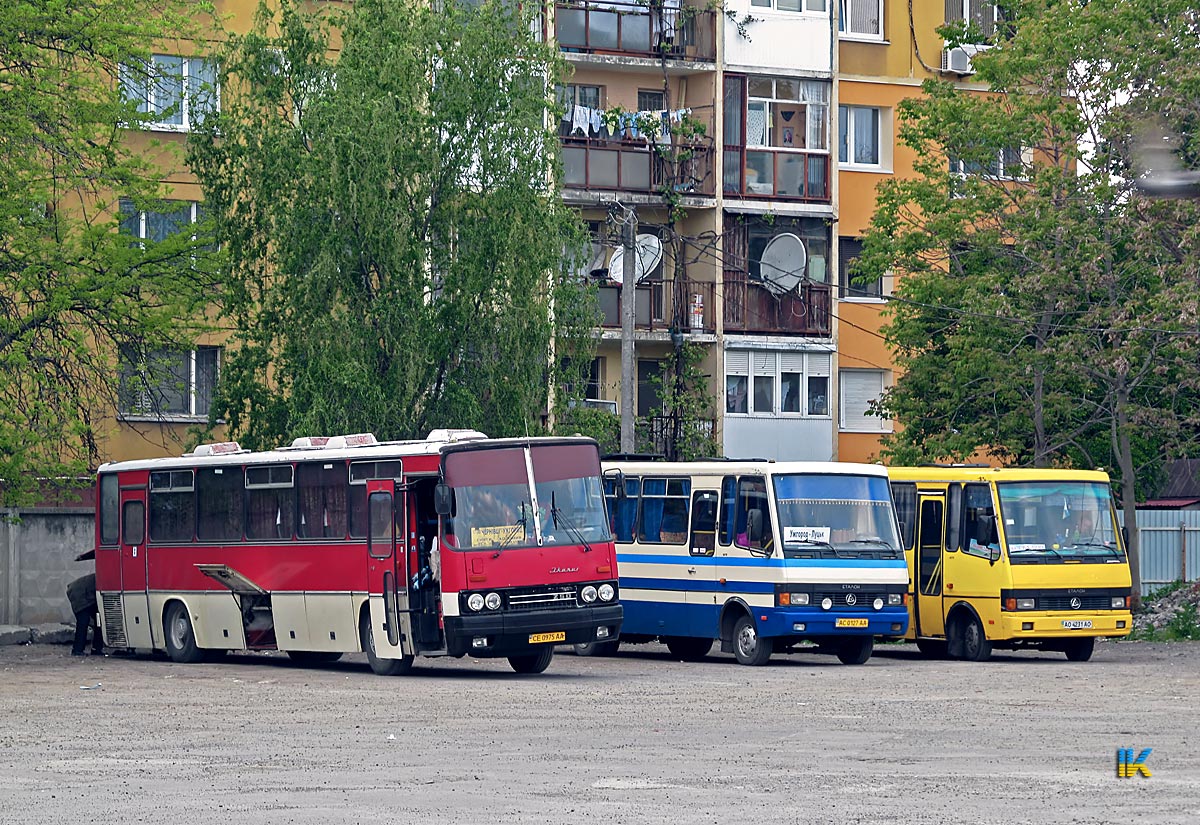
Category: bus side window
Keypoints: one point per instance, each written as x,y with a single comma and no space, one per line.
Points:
622,510
954,518
979,524
728,503
704,522
905,496
752,496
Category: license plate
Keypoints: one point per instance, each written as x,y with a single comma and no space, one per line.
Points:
542,638
851,623
1077,624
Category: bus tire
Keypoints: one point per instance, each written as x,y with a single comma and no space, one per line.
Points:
975,645
748,647
688,648
932,648
856,650
1079,650
597,648
382,667
313,657
179,636
533,662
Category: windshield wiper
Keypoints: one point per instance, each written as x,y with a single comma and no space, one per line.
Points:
818,543
1099,544
569,523
879,542
512,535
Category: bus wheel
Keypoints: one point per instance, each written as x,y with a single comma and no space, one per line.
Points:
383,667
688,648
534,662
932,648
747,646
180,638
975,646
597,648
856,651
1080,650
313,657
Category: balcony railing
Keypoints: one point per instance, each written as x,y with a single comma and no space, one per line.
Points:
635,166
660,307
630,28
779,174
753,308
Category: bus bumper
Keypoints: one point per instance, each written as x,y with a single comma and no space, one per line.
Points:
1037,624
807,623
509,634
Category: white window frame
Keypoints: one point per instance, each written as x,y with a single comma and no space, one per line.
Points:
886,283
192,211
143,408
850,135
958,168
813,134
855,389
750,364
146,91
845,23
820,7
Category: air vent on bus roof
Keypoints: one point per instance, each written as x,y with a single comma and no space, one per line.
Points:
355,440
454,435
219,448
309,442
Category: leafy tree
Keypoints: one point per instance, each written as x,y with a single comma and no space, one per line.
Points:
75,292
395,235
1046,315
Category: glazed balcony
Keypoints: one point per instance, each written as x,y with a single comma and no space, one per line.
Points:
777,174
635,29
659,306
751,308
613,165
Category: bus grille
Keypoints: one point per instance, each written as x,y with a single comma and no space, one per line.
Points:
863,599
114,620
1102,602
558,598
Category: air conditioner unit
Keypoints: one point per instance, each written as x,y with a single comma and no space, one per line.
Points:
958,59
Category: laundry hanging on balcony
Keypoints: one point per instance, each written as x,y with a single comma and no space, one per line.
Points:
646,125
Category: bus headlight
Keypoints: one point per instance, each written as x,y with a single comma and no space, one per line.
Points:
607,592
895,599
826,603
800,599
492,601
877,604
1026,604
1120,602
588,594
475,601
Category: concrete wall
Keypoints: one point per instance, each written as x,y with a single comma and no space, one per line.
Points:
37,560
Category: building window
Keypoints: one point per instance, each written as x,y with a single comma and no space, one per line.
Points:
770,384
859,136
849,249
813,6
1006,164
649,382
178,92
858,389
164,384
786,113
981,14
158,225
579,103
861,18
650,100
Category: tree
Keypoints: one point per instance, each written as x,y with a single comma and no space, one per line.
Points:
395,237
75,291
1046,315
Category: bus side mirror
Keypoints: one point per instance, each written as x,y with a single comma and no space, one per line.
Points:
618,482
985,530
993,554
442,498
754,525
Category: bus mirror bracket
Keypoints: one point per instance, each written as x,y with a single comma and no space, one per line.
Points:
993,554
441,499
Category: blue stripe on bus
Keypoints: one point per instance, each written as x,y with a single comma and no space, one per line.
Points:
860,564
688,585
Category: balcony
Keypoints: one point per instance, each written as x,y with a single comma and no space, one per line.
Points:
782,174
598,164
636,30
751,308
659,306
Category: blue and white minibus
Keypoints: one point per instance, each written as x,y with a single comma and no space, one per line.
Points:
761,555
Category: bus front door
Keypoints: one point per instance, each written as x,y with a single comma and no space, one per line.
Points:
388,576
931,535
135,602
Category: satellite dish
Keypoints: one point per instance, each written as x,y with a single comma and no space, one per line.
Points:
649,256
782,264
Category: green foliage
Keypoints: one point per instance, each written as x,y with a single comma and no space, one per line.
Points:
75,292
1045,314
395,233
689,408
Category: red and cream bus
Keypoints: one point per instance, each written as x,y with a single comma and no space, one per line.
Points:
455,545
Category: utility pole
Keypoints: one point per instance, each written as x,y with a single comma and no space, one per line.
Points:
628,316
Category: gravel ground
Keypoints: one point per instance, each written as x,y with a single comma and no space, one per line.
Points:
1026,738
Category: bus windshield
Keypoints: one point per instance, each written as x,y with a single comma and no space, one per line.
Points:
1046,521
836,516
494,506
